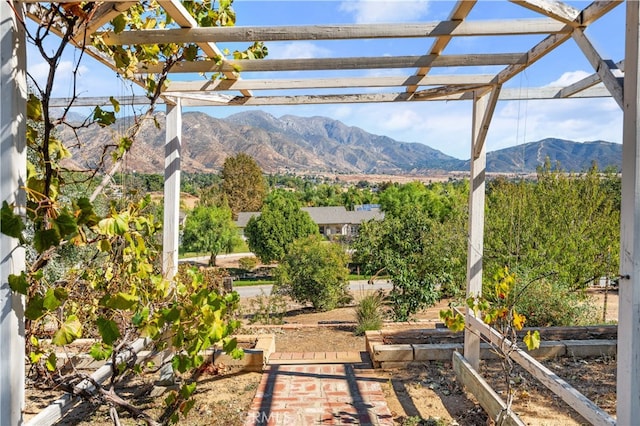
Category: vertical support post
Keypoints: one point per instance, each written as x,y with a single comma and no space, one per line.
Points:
13,171
476,220
628,385
173,146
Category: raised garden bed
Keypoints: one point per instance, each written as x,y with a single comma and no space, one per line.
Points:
393,348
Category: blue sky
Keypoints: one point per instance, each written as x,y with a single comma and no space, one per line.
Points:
443,126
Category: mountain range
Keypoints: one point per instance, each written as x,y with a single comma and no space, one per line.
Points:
316,145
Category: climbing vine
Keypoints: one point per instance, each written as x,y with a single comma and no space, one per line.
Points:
93,269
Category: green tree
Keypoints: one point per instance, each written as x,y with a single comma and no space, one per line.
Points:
210,229
280,223
396,247
243,184
314,271
565,225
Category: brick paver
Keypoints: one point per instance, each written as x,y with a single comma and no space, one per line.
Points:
318,394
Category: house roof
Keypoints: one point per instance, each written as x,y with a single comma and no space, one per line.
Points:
334,215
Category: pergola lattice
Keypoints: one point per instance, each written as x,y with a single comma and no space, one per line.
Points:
553,23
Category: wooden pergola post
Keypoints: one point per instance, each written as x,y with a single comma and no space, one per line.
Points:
170,232
13,171
483,106
628,380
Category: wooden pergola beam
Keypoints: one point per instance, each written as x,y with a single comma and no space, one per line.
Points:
555,9
337,32
458,15
326,83
603,68
347,63
176,10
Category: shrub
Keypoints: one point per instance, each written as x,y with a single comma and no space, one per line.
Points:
248,263
268,309
548,302
314,271
369,313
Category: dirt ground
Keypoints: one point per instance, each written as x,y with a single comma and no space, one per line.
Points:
428,391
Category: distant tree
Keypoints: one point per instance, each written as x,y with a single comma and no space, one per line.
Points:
563,224
280,223
243,184
314,271
210,229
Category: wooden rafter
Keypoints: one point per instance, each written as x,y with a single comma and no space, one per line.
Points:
603,68
324,83
458,14
339,32
347,63
553,9
182,17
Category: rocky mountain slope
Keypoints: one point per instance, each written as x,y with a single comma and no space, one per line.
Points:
316,145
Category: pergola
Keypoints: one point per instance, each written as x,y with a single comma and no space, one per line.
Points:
431,75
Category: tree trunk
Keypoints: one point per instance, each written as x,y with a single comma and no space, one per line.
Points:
212,259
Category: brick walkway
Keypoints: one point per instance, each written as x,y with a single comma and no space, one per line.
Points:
335,392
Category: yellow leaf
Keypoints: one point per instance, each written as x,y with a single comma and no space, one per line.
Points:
518,320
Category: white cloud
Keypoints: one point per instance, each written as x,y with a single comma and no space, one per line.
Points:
297,50
371,11
63,83
569,78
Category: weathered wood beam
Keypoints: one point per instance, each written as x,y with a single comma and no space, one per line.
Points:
13,180
482,111
482,127
337,32
350,63
172,170
554,9
176,10
489,400
580,403
458,15
628,357
587,16
215,99
585,83
603,68
105,13
194,99
325,83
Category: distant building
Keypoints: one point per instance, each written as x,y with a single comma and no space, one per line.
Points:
332,222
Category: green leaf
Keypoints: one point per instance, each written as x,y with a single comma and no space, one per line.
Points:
51,302
45,238
34,108
68,332
34,357
65,223
108,330
112,226
10,223
52,360
121,301
19,283
191,52
171,315
84,212
140,316
119,23
187,406
35,308
187,389
100,351
115,103
103,118
532,340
